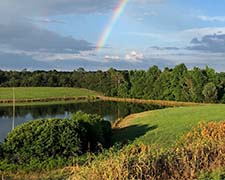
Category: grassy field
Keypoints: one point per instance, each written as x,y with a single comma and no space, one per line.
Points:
164,127
44,92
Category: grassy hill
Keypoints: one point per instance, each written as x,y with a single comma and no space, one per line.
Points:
164,127
44,92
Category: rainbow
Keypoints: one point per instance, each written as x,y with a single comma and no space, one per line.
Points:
108,29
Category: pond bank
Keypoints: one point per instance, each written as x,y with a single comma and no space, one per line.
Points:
103,98
156,102
51,99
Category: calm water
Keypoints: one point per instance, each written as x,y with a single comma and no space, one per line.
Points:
108,110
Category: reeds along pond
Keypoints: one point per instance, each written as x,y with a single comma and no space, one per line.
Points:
156,102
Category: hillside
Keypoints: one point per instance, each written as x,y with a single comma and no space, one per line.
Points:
164,127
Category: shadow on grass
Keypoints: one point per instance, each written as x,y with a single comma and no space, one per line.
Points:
130,133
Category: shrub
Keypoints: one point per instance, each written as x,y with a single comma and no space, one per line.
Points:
56,138
97,132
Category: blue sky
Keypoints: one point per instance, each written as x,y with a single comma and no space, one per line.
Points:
62,34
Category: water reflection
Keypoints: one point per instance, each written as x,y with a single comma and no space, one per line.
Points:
108,110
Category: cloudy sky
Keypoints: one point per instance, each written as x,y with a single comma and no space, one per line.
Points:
63,34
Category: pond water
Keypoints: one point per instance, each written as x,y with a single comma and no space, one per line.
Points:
108,110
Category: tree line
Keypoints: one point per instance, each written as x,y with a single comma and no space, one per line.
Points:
178,83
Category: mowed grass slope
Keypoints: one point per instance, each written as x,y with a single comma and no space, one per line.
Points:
164,127
44,92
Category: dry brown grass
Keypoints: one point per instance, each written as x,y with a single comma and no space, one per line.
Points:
42,175
203,149
120,123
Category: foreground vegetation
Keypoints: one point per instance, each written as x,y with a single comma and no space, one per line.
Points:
177,84
160,146
197,156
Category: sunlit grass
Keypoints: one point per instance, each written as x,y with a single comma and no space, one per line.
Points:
44,92
169,124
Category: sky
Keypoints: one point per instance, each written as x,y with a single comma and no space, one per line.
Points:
100,34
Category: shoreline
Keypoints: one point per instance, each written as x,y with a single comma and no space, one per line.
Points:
47,101
148,101
31,101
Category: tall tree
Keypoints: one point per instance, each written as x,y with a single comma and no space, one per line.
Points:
152,75
210,92
178,82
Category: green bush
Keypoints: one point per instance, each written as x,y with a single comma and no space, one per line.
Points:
56,138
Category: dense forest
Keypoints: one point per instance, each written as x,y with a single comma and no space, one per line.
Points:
179,83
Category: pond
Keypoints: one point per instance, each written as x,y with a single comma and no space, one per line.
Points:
110,111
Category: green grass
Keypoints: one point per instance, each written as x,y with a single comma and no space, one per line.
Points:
164,127
217,174
44,92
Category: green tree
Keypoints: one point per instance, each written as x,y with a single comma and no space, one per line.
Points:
138,82
123,90
152,75
178,82
210,92
196,80
162,87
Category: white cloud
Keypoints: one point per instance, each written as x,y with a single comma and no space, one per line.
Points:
151,13
212,18
107,57
85,56
144,34
140,19
131,57
134,57
45,20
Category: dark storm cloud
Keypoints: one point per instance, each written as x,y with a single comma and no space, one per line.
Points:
28,37
17,31
19,62
209,43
